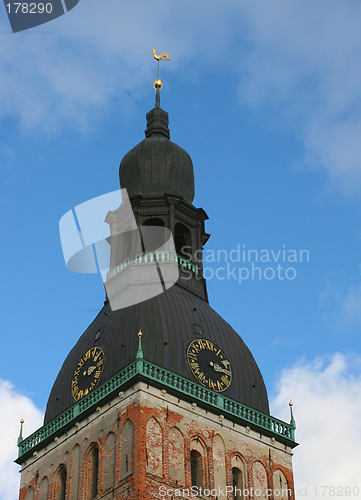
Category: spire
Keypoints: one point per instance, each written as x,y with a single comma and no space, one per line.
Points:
20,438
140,351
292,421
157,119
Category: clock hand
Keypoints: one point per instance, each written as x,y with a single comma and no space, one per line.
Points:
216,367
91,369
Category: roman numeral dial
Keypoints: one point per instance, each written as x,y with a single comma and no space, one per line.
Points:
209,365
88,372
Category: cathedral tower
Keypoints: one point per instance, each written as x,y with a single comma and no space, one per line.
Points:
162,398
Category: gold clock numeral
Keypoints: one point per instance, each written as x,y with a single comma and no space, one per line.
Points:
91,375
209,345
205,367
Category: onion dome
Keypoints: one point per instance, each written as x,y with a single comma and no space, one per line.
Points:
157,165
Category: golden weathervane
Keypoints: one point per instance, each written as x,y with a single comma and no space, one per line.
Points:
164,56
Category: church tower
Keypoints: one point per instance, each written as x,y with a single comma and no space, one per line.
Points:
161,399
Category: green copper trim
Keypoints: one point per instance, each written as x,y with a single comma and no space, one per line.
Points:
265,424
149,257
115,270
187,263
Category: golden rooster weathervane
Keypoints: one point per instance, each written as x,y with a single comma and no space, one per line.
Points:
164,56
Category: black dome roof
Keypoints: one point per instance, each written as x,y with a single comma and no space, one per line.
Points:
157,165
167,322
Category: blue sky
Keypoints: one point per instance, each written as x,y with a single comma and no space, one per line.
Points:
265,97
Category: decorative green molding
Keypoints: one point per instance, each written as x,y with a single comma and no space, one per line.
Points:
187,263
178,385
148,257
115,270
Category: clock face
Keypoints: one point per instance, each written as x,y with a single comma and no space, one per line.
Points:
209,365
88,372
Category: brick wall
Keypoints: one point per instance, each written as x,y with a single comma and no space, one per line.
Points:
144,443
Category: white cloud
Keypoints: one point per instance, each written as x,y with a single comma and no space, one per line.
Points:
69,77
300,58
14,406
305,64
326,394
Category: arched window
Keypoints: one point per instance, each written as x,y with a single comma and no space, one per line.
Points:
93,472
183,240
176,455
154,447
280,486
75,469
260,482
126,449
29,494
153,234
219,463
109,462
196,468
237,484
62,483
44,488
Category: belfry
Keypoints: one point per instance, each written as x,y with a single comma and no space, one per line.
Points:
160,399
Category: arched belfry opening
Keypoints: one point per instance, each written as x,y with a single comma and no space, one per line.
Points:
153,234
183,240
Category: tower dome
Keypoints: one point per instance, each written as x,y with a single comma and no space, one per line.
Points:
154,172
157,165
168,323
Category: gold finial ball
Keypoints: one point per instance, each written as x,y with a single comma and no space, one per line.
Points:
290,403
140,333
157,84
22,421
